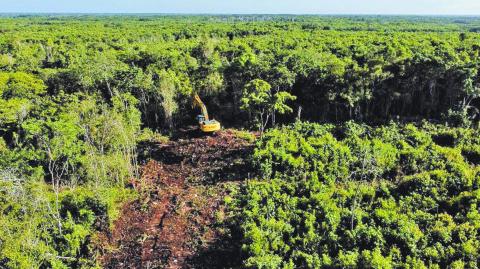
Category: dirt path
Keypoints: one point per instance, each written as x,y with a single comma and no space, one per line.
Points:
179,219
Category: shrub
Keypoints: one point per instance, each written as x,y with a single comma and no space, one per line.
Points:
375,198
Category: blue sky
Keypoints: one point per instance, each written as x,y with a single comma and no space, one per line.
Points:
441,7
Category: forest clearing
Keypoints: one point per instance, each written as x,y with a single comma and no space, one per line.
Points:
239,141
179,214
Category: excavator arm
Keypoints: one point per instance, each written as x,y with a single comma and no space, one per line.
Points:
198,102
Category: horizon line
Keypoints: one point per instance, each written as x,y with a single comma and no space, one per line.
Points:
236,14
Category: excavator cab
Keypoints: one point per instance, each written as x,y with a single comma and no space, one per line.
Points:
206,125
200,118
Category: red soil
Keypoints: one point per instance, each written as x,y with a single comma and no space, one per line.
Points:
177,216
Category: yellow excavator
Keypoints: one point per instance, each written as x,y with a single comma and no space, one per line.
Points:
206,125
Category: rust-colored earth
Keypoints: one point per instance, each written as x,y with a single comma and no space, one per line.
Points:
179,221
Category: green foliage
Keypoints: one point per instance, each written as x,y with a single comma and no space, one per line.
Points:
20,85
354,196
76,91
256,95
258,98
111,137
284,151
339,68
64,163
18,92
247,136
29,231
147,135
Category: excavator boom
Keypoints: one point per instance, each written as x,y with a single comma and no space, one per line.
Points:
201,105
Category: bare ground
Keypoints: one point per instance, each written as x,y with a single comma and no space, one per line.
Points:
180,219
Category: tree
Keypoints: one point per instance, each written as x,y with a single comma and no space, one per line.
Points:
282,80
167,91
471,91
59,140
109,133
258,98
